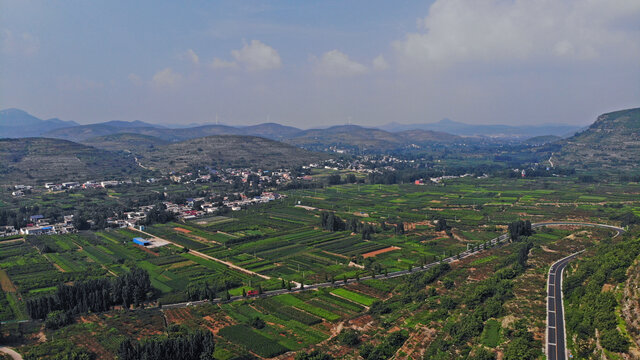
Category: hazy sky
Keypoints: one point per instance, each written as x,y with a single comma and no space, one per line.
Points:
316,63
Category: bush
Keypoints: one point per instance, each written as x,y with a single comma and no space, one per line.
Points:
612,340
57,319
257,322
349,337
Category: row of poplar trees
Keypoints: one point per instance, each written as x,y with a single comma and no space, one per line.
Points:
95,295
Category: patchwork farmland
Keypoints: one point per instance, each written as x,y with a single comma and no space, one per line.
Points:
286,245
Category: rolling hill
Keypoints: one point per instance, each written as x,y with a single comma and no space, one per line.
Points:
227,151
271,131
612,142
40,160
16,123
83,133
135,143
541,140
367,139
501,131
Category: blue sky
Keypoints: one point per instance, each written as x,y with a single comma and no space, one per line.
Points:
320,63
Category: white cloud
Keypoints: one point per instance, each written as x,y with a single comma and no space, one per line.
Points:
336,63
193,57
166,78
521,30
256,56
379,63
221,64
24,44
135,79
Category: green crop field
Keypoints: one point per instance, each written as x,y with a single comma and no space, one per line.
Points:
354,296
253,341
491,334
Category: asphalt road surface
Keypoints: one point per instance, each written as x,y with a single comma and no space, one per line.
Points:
556,335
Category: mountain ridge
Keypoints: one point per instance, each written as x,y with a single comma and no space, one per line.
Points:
612,141
16,123
463,129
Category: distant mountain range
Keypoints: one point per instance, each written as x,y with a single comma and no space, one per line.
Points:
501,131
16,123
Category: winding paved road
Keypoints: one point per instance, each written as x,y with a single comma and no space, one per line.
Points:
556,340
9,351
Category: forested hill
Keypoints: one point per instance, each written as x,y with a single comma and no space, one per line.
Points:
367,139
39,160
227,151
612,142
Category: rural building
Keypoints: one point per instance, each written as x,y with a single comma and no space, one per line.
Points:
37,230
141,241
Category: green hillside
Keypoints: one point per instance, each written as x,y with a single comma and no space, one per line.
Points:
135,143
40,160
227,150
612,142
541,140
353,136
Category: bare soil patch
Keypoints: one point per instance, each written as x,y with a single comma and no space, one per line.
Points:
182,230
145,249
6,283
381,251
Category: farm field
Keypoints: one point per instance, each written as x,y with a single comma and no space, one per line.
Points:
38,265
292,321
373,308
287,245
280,241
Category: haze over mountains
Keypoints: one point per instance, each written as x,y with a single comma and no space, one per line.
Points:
506,131
18,123
611,142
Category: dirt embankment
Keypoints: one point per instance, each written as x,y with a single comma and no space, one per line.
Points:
631,303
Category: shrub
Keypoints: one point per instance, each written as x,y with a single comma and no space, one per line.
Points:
349,337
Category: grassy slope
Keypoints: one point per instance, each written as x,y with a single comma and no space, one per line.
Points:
613,141
39,160
228,150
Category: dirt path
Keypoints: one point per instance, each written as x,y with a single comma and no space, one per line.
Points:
381,251
208,257
6,283
9,351
224,233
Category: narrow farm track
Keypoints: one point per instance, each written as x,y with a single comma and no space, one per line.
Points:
208,257
500,239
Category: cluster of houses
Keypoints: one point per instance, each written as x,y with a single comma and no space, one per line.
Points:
39,225
194,208
85,185
19,190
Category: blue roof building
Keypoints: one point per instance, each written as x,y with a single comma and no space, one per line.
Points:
140,241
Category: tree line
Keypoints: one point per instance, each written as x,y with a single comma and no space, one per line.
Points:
332,222
94,295
197,345
519,229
